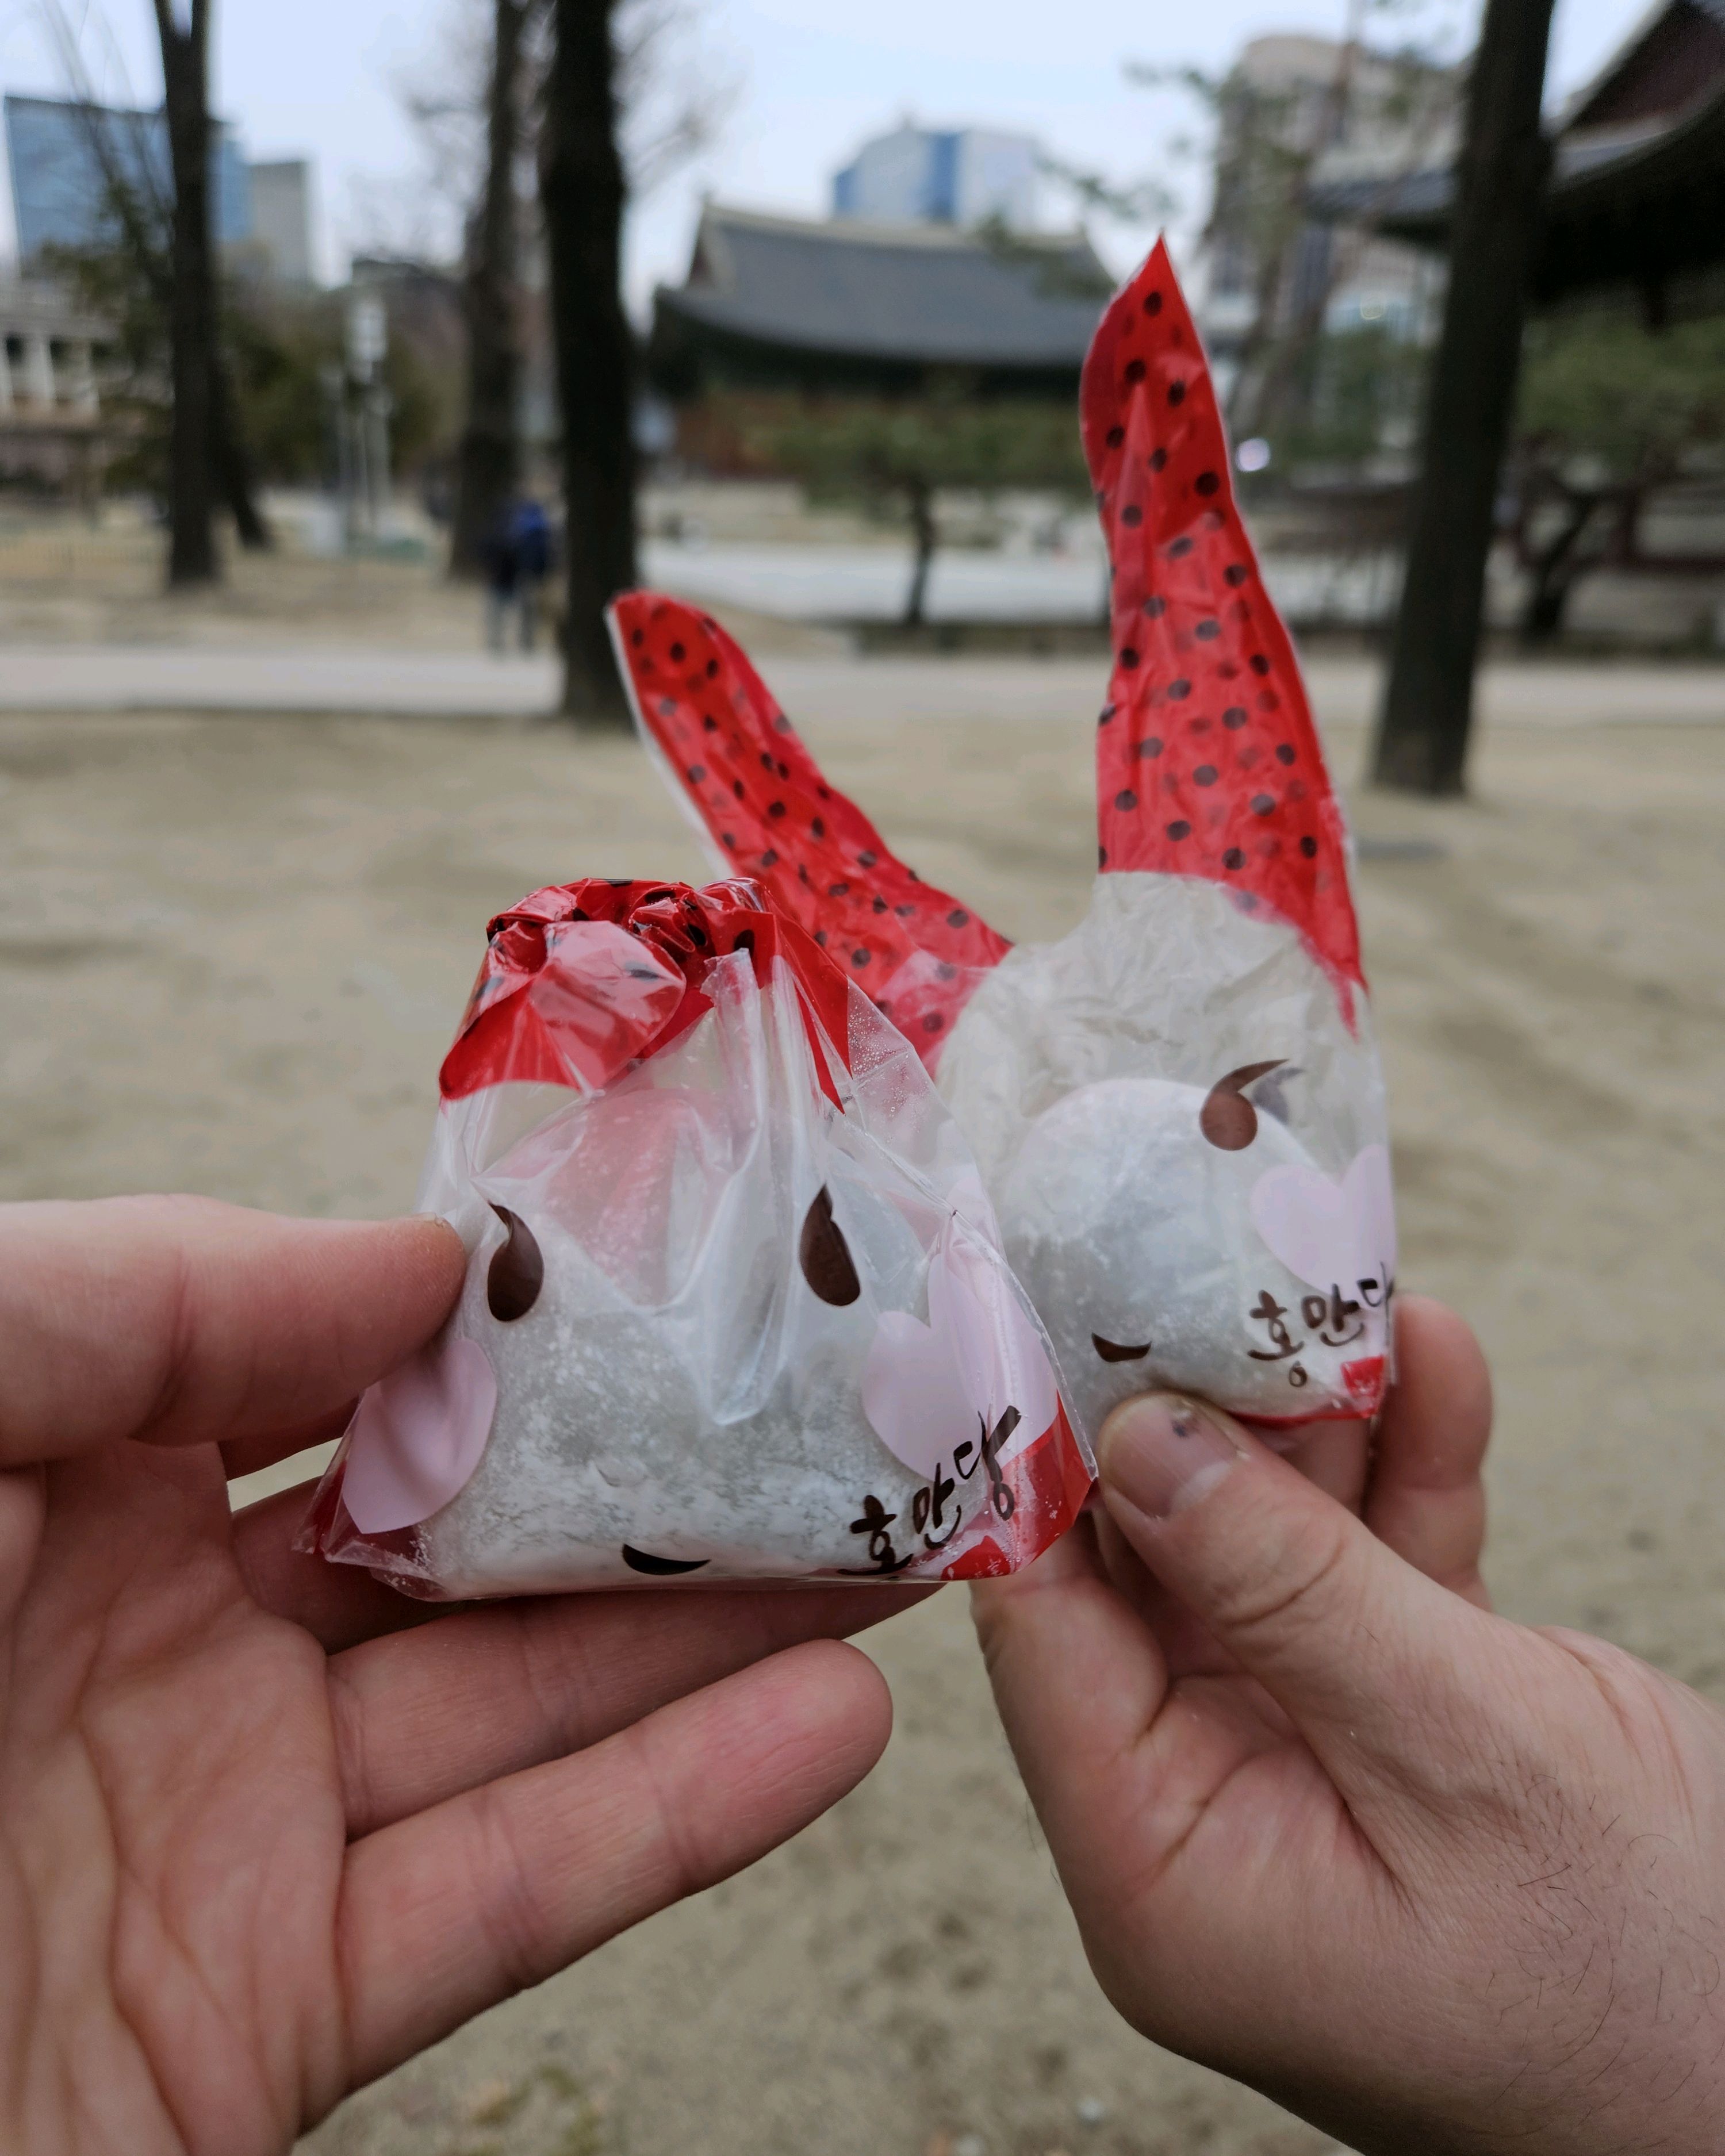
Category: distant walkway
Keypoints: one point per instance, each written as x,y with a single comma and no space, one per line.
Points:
869,583
829,583
119,677
453,684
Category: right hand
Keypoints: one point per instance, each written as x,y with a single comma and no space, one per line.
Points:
1428,1878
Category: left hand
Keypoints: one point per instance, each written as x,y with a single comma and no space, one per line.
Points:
264,1830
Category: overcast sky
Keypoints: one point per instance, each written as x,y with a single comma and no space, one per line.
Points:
810,79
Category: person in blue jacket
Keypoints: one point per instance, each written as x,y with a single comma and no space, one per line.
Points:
529,529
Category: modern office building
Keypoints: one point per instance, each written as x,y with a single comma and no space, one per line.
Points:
963,176
66,159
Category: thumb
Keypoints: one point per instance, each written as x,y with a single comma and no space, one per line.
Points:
1361,1652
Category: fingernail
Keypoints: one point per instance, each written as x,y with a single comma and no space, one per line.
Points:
1163,1453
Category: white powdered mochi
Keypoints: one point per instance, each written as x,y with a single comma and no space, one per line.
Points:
1255,1270
713,1328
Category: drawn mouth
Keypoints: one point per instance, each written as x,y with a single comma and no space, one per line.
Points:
1110,1351
661,1568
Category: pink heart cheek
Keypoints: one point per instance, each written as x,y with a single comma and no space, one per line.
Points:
1305,1221
912,1394
418,1435
1372,1202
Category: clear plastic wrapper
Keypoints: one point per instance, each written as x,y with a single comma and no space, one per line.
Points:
1178,1110
736,1307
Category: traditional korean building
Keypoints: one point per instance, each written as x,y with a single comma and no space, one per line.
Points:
776,303
1637,192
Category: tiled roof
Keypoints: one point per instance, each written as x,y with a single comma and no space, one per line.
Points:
927,294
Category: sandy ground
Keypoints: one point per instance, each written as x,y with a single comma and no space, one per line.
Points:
232,950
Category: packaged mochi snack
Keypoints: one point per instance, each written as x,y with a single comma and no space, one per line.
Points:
1176,1109
736,1306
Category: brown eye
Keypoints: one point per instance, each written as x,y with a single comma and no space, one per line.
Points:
1227,1118
824,1255
517,1270
1110,1351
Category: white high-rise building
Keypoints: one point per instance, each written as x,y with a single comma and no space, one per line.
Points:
281,218
962,177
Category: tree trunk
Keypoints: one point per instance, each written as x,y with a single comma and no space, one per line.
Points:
924,536
233,466
1555,570
192,309
488,462
1428,703
144,219
581,186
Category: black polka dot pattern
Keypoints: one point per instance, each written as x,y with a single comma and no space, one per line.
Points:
1202,665
813,852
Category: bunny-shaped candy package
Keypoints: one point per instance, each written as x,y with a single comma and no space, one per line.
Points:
735,1305
1177,1109
800,1210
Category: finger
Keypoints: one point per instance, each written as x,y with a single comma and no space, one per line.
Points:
1360,1651
24,1513
1334,1454
1427,1497
1186,1647
339,1604
1115,1758
420,1716
182,1321
462,1905
1077,1671
245,1455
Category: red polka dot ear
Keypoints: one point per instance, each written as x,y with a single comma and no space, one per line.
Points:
1208,762
917,953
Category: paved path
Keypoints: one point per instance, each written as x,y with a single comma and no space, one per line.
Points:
396,682
117,677
870,584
